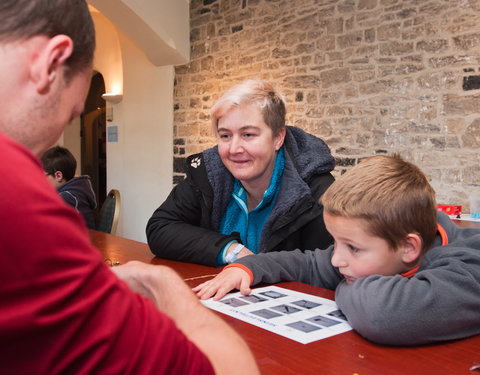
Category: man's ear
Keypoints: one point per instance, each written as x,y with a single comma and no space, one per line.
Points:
412,248
49,61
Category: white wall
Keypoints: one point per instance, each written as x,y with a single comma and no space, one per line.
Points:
160,28
140,164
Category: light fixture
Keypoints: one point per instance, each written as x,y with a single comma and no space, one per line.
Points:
112,98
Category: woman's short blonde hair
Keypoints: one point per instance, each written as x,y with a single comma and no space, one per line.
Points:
392,195
257,92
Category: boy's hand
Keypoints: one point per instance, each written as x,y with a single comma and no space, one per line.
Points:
224,282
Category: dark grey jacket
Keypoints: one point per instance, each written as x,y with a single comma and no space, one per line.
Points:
78,193
185,226
441,302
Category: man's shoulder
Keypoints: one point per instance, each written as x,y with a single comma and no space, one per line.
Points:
11,148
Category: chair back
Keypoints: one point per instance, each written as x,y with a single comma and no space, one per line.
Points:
109,213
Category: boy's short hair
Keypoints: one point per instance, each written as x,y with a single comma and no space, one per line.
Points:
59,159
257,92
392,195
22,19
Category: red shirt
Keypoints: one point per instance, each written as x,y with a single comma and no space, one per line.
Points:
61,308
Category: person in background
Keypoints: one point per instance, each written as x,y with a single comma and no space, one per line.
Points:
403,273
63,310
60,165
255,192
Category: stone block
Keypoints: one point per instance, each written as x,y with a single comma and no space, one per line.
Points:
370,35
346,6
471,138
349,40
396,48
334,26
467,42
461,105
389,31
304,48
448,61
326,43
471,174
407,13
367,4
178,164
335,76
432,46
471,83
177,178
306,81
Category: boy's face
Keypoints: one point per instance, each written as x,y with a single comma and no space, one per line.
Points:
357,253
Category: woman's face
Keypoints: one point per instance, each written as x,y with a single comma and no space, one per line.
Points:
247,146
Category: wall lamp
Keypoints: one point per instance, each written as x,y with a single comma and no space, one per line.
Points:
112,98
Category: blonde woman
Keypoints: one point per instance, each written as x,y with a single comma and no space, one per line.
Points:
257,191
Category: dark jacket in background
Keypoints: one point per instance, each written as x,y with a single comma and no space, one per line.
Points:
78,193
185,226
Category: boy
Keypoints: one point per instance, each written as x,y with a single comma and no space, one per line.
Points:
403,273
59,165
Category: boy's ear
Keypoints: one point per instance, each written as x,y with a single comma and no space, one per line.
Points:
49,61
412,248
58,176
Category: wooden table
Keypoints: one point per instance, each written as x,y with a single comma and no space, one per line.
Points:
467,223
347,353
117,249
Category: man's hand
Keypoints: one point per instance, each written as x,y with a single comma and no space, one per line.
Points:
146,279
221,344
224,282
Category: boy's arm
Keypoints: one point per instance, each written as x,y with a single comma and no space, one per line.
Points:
441,302
311,267
206,330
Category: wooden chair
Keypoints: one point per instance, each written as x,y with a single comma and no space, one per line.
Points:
109,213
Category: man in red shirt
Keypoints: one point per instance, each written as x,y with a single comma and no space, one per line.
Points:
62,310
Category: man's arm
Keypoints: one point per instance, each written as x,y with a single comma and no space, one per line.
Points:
228,353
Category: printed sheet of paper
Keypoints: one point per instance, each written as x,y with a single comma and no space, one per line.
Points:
298,316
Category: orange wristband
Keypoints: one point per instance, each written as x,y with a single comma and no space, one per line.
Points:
241,266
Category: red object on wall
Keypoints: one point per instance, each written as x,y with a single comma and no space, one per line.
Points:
449,210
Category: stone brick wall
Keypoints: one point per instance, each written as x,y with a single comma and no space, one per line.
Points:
367,76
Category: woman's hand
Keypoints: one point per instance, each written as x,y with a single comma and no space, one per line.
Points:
227,280
243,253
